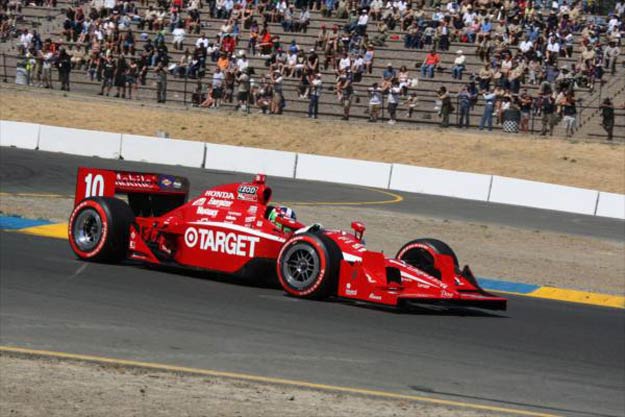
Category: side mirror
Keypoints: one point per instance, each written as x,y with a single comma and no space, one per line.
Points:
359,230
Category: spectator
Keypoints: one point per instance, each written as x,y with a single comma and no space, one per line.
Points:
345,93
607,116
120,76
569,113
131,78
218,86
108,74
47,58
179,34
430,63
464,102
161,83
411,103
446,106
459,66
389,73
489,108
277,103
316,86
363,20
64,65
243,82
525,105
548,109
375,102
610,54
394,93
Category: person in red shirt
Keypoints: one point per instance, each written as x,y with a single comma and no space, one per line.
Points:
228,44
430,63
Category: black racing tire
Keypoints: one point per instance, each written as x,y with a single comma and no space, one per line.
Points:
420,253
99,229
308,266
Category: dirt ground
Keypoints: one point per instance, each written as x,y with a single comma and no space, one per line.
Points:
77,389
576,163
495,251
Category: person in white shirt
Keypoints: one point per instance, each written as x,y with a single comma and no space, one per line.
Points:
553,47
242,62
363,20
25,39
459,65
526,45
179,34
315,92
218,86
393,101
469,17
202,41
345,62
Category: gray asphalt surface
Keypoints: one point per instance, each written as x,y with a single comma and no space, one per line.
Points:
39,172
549,356
540,355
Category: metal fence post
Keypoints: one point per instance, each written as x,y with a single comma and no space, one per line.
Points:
4,66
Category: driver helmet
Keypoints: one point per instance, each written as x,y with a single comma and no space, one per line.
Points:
282,211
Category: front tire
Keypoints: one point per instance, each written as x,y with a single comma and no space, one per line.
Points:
421,253
308,266
99,229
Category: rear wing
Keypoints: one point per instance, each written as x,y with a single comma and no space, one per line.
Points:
147,193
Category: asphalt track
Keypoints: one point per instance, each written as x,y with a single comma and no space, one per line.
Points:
544,356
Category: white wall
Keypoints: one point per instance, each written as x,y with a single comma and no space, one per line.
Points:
542,195
440,182
80,142
312,167
19,134
162,151
611,205
249,160
343,171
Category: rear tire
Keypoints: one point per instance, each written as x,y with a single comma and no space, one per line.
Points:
308,266
421,254
99,229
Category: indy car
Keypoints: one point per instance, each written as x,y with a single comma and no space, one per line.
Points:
227,229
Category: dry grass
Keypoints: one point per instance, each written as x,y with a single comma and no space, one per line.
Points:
581,164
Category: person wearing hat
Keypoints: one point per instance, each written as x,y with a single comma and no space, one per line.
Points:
389,73
363,20
459,65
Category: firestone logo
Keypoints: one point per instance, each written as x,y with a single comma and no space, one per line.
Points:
221,242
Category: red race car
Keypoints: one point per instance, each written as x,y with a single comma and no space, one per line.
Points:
232,229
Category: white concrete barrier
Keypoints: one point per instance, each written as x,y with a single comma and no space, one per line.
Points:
440,182
162,151
80,142
611,205
249,160
343,171
19,134
542,195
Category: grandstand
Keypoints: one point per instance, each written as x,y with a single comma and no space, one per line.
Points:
51,21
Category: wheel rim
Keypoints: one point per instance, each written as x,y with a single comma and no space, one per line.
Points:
301,266
87,230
